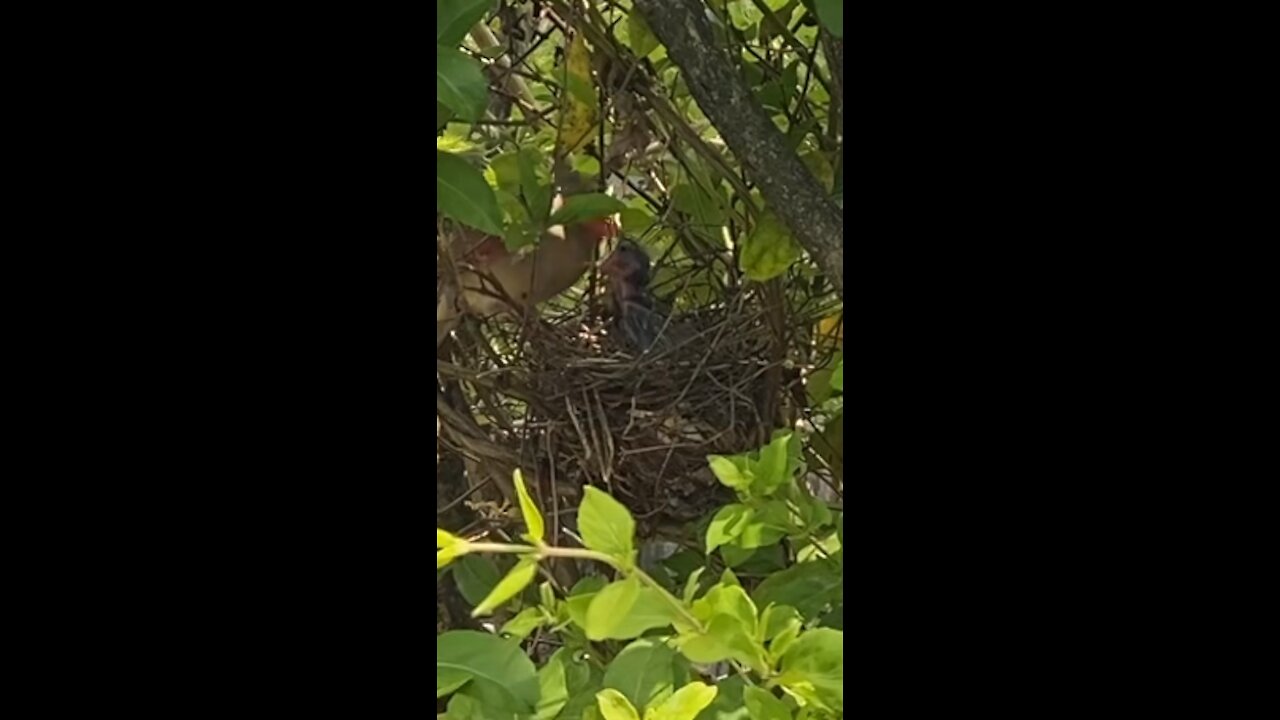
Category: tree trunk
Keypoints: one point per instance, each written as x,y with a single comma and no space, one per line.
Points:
789,189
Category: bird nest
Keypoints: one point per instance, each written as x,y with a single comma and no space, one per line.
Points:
568,401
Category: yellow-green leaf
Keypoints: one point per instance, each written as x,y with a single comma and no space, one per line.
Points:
769,250
444,538
684,704
610,606
515,581
447,555
532,518
615,706
606,525
579,105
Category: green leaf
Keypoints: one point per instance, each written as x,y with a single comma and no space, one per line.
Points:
450,679
650,611
582,698
808,587
624,610
685,704
606,525
615,706
525,622
729,704
731,470
706,211
511,585
828,545
813,668
476,576
532,518
460,83
462,707
766,527
762,705
642,672
727,525
724,639
580,597
462,194
455,18
560,678
691,585
779,645
831,13
635,221
641,36
506,171
769,250
733,601
502,676
537,194
775,619
837,377
609,606
743,14
771,469
590,206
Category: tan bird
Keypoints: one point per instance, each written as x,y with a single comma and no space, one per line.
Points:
523,280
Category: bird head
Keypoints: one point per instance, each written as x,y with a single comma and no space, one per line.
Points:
628,263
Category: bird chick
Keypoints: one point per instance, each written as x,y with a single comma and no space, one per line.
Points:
639,322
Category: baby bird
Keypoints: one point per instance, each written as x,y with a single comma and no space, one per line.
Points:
638,320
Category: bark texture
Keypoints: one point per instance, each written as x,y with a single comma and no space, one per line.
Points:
788,187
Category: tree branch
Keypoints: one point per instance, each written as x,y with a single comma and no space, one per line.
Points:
789,189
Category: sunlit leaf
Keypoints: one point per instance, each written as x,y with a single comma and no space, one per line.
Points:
525,622
615,706
727,525
684,704
515,581
444,538
813,668
606,525
532,518
609,608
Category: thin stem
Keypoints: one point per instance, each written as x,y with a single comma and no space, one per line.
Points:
548,551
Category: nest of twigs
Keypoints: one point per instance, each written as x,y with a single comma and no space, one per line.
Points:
560,397
571,404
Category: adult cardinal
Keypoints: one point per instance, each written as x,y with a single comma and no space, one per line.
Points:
636,316
523,280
